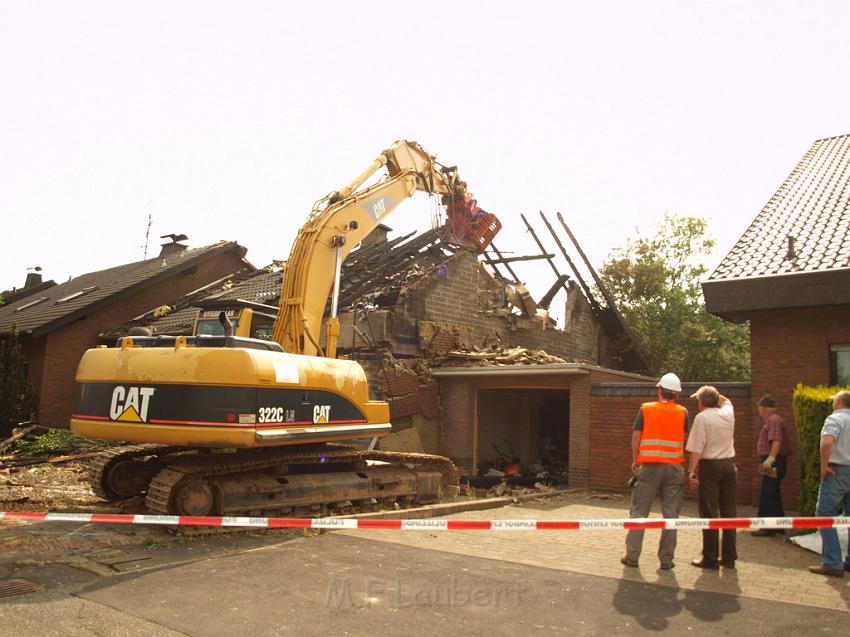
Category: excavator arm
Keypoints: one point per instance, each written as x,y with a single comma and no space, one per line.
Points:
342,220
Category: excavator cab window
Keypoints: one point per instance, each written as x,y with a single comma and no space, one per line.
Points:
208,323
262,326
211,327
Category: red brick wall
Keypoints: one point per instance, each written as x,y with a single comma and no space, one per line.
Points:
790,347
613,407
457,422
581,456
63,347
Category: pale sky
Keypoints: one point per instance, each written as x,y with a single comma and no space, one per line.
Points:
228,120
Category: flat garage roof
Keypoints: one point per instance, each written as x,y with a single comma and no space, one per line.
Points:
551,369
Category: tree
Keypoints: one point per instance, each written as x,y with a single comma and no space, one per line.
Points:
655,282
17,401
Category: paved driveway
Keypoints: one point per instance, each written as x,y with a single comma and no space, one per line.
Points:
419,583
770,569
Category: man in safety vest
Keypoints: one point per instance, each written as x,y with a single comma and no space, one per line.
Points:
658,456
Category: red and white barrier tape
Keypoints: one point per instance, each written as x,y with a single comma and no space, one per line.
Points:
438,524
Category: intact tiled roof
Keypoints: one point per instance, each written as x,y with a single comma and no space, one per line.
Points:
61,303
805,227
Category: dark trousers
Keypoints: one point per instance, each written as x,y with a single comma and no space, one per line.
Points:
770,498
716,496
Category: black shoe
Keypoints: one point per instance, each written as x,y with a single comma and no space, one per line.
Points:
763,533
625,561
701,562
667,566
847,567
730,564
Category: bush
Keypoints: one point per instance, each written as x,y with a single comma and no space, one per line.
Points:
51,443
17,401
811,407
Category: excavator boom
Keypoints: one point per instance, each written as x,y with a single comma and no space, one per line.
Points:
337,225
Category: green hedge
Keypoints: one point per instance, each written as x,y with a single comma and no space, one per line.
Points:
811,407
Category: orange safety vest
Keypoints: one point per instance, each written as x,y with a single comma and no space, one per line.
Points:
663,438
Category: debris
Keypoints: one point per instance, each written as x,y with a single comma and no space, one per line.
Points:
406,440
509,356
11,464
17,434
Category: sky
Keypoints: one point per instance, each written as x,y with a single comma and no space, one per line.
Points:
229,120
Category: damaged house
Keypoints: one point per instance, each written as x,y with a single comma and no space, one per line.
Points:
472,366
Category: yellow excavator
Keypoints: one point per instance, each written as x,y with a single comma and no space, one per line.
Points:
232,425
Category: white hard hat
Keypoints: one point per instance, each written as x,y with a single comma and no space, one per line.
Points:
670,382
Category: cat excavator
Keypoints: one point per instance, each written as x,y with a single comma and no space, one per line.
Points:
222,424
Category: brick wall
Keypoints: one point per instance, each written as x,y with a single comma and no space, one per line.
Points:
581,458
55,356
788,347
457,423
613,407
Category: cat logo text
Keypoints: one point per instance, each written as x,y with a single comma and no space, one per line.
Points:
130,404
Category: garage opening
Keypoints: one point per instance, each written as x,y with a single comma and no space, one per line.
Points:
523,435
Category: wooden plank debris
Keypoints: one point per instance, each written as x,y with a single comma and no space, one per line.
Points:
17,434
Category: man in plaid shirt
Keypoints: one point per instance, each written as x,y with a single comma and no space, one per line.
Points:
773,448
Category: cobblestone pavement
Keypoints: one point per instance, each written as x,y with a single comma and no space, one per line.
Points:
770,568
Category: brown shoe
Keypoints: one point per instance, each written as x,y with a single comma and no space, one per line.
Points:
625,561
825,570
701,562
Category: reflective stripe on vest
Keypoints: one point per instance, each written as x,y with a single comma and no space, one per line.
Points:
663,437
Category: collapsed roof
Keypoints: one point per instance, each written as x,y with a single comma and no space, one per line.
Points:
376,276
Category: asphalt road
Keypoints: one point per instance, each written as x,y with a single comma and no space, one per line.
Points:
336,584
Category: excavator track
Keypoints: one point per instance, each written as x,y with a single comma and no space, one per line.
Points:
260,483
111,472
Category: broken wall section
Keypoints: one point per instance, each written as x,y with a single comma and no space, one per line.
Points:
462,295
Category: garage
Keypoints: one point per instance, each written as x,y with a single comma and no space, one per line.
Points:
524,433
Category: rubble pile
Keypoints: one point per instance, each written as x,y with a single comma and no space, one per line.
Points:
506,356
42,469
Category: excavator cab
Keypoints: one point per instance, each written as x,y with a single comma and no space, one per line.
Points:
245,322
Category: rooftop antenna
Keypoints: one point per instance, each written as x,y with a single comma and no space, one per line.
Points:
147,236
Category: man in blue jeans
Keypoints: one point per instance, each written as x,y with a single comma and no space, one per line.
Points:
834,483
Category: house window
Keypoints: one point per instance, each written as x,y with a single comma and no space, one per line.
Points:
77,294
27,306
840,365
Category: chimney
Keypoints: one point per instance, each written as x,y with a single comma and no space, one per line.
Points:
174,247
33,279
